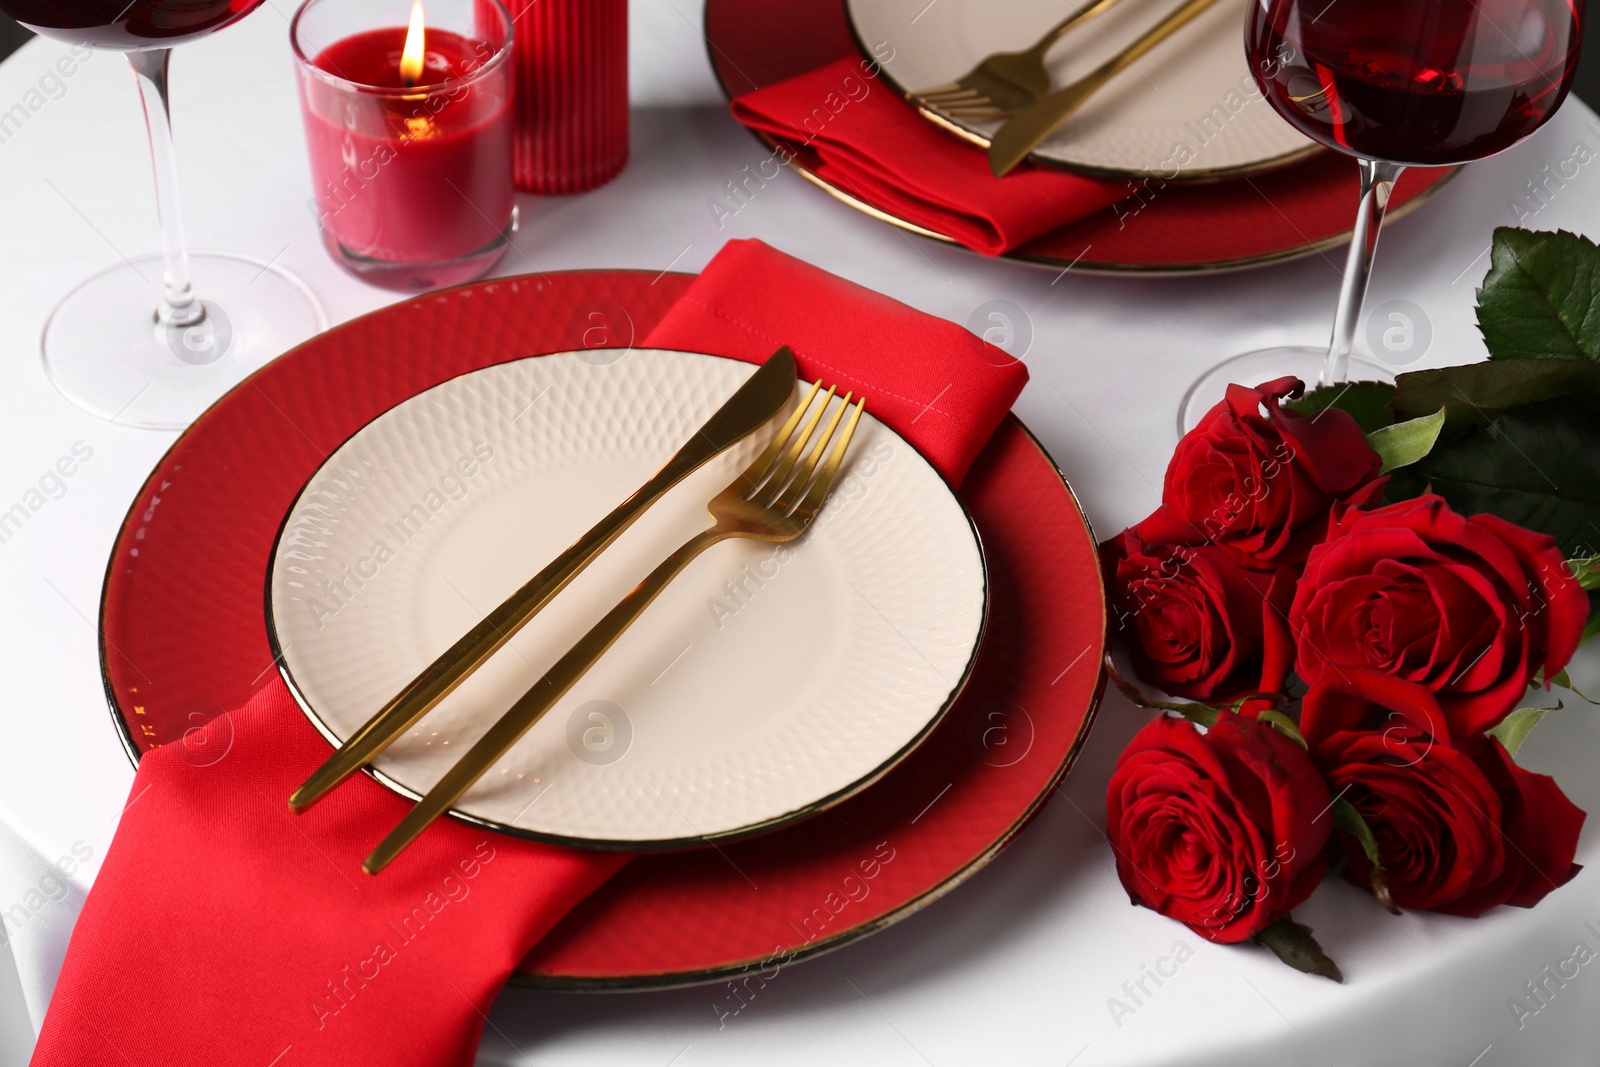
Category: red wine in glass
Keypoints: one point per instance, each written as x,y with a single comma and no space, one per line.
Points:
121,25
1417,82
136,344
1395,83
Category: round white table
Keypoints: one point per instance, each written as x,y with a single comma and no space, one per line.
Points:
1020,965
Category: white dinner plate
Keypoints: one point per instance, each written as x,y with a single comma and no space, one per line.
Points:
764,684
1188,109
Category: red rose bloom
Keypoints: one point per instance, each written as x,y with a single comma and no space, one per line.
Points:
1541,827
1384,746
1218,830
1434,815
1469,608
1460,828
1258,480
1204,626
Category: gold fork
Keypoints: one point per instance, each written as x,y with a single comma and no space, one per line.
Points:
1005,81
1026,129
775,499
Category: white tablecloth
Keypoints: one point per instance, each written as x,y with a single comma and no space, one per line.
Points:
1019,965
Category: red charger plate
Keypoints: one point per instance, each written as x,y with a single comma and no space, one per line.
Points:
183,637
1164,229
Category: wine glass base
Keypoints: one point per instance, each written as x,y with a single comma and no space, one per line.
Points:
104,350
1263,365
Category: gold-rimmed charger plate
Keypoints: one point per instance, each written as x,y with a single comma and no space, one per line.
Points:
192,552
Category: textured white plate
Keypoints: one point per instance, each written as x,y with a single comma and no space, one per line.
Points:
767,681
1188,109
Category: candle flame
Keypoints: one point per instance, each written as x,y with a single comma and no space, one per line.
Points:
416,47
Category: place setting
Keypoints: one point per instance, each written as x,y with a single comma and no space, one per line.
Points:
787,685
734,622
627,629
1185,168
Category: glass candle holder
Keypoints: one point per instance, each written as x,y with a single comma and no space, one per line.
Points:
408,113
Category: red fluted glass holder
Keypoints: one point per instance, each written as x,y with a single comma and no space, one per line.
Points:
571,69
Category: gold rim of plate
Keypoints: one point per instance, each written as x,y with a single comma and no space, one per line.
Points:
1189,177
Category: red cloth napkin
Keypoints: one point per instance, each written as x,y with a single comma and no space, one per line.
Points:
937,385
874,145
221,929
224,930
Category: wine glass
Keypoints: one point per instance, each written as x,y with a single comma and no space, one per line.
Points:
1395,83
135,344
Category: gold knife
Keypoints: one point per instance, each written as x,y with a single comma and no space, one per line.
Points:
1024,131
747,410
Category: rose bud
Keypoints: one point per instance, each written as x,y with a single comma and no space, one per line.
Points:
1460,828
1222,830
1258,480
1469,608
1202,626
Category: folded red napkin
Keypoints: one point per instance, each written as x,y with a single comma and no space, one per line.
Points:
224,930
940,387
874,145
221,929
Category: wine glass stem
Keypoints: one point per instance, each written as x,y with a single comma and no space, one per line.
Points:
1377,182
178,304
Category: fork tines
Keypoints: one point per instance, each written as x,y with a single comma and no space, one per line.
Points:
976,95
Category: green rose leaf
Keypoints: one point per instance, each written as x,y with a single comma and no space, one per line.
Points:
1474,394
1366,402
1514,728
1563,680
1293,944
1347,817
1541,297
1587,571
1537,466
1404,443
1283,724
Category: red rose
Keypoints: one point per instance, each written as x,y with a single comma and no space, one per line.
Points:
1203,625
1541,827
1384,747
1219,830
1460,828
1469,608
1258,480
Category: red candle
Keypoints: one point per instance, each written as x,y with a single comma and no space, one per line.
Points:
409,131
